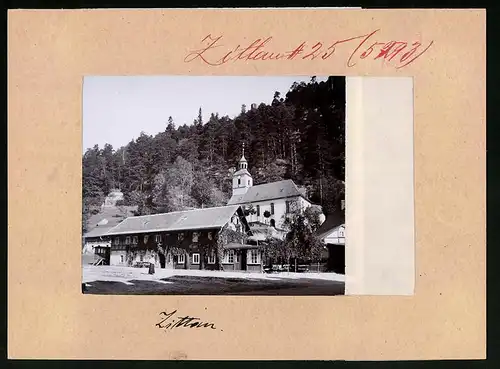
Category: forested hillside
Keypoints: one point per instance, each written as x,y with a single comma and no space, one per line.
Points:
298,136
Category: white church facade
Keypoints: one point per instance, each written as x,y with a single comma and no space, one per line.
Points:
272,202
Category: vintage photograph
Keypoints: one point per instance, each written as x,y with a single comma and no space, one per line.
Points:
213,185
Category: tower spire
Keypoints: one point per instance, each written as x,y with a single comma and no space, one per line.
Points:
243,161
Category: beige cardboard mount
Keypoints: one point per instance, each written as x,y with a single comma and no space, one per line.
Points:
443,316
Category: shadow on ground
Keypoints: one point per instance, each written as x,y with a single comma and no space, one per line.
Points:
189,285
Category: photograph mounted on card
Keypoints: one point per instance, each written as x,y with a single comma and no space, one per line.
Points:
183,209
204,196
218,185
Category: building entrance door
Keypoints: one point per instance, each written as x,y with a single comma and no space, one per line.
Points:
243,259
161,256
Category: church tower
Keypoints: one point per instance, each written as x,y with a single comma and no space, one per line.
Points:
242,180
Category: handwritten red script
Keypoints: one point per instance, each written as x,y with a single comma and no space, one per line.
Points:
398,53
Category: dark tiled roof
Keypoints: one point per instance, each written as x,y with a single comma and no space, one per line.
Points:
110,216
267,191
332,221
207,218
97,232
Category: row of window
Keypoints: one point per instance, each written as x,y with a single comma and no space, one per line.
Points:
195,259
239,182
288,205
272,209
100,250
229,257
134,240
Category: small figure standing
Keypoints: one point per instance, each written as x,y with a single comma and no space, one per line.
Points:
152,261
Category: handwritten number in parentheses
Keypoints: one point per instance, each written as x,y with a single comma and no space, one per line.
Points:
368,51
411,52
396,51
349,64
406,55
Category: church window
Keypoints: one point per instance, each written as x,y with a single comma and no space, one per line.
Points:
258,210
248,182
239,181
272,208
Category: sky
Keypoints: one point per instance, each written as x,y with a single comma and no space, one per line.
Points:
116,109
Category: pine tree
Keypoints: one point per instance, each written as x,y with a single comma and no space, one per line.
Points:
300,135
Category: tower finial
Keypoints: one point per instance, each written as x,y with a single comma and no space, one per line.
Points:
243,148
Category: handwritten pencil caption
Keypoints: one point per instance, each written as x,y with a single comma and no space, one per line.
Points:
398,53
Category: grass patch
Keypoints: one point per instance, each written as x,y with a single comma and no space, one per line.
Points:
193,285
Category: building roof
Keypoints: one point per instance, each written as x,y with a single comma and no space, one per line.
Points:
267,191
206,218
110,216
97,232
242,171
237,246
331,222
